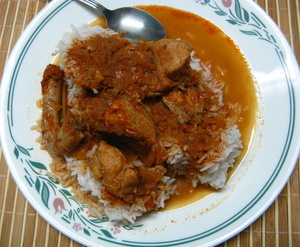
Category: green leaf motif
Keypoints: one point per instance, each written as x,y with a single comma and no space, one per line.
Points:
127,227
257,20
99,220
23,150
45,195
37,185
246,15
232,22
249,32
106,233
66,192
205,2
38,165
16,152
238,10
51,179
70,214
28,181
86,232
220,13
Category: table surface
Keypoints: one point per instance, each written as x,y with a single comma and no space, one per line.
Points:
21,225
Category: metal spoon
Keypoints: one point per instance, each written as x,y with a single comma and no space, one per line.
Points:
137,23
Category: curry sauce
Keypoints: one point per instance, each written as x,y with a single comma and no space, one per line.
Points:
228,64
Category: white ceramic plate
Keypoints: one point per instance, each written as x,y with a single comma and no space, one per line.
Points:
252,189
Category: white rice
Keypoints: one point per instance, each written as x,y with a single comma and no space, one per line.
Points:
125,213
214,173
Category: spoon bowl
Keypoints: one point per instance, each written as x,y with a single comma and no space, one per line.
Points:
136,23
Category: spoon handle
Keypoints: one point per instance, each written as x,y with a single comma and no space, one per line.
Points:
95,5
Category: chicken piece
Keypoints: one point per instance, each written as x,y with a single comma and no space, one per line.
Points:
59,138
132,120
90,110
118,175
69,135
187,105
172,58
150,177
120,117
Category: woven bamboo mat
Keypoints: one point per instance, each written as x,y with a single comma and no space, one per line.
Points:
20,225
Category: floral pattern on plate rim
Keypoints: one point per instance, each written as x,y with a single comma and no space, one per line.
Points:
60,201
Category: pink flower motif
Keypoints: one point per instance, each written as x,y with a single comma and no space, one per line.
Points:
227,3
88,214
59,205
115,229
77,227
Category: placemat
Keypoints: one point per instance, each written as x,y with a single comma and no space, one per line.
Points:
21,225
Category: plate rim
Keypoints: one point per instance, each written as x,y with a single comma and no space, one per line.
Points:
8,158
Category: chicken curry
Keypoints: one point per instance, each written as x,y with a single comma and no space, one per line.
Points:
131,111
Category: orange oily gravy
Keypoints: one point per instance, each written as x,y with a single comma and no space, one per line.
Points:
228,65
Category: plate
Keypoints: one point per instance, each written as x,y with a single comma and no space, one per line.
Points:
218,217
